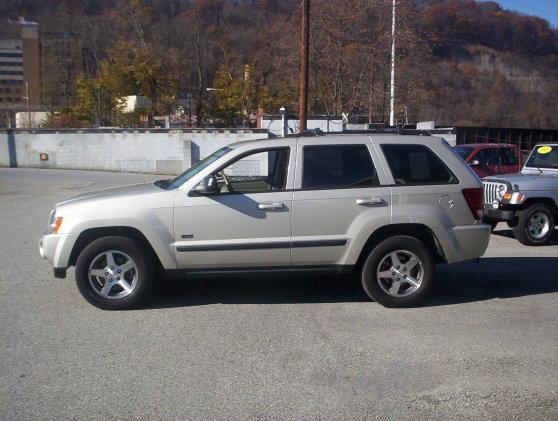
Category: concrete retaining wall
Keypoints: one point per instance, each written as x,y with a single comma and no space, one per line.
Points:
154,151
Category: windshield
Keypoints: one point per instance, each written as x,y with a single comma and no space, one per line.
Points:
196,168
463,151
544,157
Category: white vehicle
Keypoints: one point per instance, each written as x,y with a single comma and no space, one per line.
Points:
388,207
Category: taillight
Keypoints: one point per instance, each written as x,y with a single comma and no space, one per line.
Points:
474,198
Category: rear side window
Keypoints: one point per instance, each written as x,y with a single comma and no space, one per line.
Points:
416,164
337,166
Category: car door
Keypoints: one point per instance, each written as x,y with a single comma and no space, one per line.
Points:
248,223
335,186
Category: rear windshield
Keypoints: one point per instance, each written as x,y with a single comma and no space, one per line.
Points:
463,151
416,164
544,156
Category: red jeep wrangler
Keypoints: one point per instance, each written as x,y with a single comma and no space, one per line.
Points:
491,158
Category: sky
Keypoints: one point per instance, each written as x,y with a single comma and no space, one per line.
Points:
547,9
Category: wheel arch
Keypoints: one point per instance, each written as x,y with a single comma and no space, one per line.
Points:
419,231
544,200
91,234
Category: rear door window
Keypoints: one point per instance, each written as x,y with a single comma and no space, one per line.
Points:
416,164
338,167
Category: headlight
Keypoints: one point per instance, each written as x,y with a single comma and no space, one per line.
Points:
502,191
52,218
54,222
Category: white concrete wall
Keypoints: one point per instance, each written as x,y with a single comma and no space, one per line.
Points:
166,152
4,154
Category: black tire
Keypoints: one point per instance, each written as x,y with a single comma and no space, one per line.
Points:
371,284
521,230
142,284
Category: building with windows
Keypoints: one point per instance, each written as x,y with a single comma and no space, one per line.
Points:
20,69
37,70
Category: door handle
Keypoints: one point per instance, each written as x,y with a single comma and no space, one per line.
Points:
270,205
371,201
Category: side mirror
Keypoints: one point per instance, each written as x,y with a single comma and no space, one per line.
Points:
207,186
474,163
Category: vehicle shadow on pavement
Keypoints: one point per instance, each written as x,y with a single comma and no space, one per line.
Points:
256,289
509,234
493,277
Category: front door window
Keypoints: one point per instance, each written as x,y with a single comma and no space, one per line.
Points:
259,172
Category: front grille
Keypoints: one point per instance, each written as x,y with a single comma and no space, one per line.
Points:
491,191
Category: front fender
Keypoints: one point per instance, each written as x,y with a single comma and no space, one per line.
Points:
153,228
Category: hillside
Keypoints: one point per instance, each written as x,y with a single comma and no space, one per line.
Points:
458,61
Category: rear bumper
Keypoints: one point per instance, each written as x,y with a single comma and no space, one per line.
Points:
56,248
465,242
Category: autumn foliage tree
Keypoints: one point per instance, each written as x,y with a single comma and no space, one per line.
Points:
458,61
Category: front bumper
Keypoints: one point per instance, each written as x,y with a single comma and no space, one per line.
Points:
498,214
56,248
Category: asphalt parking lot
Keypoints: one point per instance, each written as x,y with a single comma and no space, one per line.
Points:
485,345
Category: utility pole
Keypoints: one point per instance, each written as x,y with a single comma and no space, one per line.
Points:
304,58
392,85
28,105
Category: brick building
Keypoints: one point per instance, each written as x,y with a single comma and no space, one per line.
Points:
20,69
43,64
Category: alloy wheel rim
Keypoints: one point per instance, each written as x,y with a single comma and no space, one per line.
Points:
538,225
113,274
400,273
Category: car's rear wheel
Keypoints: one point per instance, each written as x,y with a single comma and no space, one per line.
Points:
113,273
535,225
398,272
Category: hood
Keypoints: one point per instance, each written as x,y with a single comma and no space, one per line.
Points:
529,180
112,192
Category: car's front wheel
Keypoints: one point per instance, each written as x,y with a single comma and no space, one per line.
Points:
535,225
113,273
398,272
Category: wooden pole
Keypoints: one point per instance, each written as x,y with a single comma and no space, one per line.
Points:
304,60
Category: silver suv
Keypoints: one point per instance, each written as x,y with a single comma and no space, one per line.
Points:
527,201
387,207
